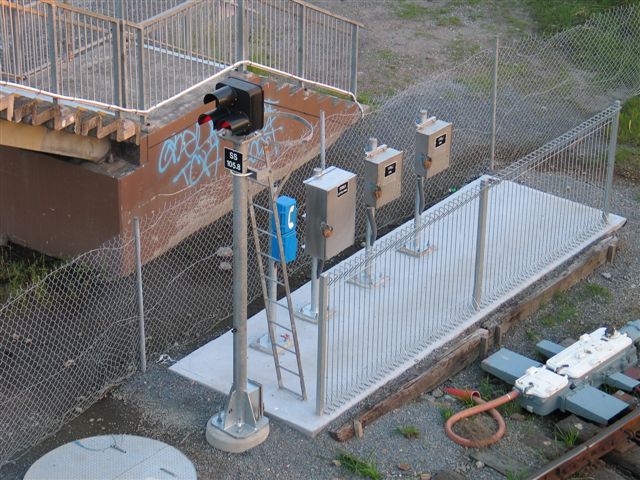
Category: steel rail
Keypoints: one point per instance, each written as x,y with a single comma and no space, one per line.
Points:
575,460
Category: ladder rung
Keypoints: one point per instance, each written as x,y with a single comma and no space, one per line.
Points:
288,370
269,256
287,349
264,232
274,280
288,329
264,209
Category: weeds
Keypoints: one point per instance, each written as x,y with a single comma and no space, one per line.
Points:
593,291
568,437
363,468
553,17
408,431
410,11
521,475
446,412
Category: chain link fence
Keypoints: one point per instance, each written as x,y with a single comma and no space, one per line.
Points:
73,335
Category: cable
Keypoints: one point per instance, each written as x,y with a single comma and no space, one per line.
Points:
481,407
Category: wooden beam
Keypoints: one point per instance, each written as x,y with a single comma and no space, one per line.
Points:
42,139
456,358
6,104
42,116
581,268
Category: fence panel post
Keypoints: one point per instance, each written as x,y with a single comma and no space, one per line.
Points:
354,59
52,37
141,67
611,160
481,240
300,51
494,101
323,317
139,294
241,37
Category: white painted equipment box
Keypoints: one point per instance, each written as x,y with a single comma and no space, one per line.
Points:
433,147
331,213
382,176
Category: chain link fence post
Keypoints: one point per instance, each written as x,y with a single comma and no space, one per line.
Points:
139,294
494,101
611,160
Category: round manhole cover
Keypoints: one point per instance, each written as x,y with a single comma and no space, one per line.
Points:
111,457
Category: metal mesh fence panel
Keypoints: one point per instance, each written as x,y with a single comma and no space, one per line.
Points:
70,337
488,239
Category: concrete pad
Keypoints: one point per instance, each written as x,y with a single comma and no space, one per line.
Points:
211,365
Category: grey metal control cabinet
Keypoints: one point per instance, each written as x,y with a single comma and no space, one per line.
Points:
382,176
433,147
331,212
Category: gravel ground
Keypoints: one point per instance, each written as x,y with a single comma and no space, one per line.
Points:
164,406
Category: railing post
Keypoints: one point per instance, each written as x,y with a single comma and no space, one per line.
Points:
354,59
321,380
611,160
481,239
494,102
300,51
52,37
139,294
141,67
241,34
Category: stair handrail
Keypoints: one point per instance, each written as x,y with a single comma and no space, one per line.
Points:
147,112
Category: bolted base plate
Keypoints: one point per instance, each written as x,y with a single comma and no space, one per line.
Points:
237,438
263,343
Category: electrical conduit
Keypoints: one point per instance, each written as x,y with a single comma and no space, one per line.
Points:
481,407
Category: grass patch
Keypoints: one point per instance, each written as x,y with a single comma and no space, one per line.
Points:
563,310
357,466
410,11
408,431
629,131
386,55
511,475
21,268
449,21
628,162
593,291
553,16
459,49
568,437
446,412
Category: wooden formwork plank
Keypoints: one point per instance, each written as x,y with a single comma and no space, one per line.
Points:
455,359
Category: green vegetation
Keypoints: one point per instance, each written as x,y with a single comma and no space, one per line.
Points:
363,468
410,11
408,431
446,412
568,437
21,268
553,16
593,291
386,55
511,475
628,154
449,21
459,48
563,310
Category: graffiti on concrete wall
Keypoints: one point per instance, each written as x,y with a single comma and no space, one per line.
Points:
194,154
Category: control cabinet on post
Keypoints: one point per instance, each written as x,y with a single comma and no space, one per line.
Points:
331,212
433,147
382,176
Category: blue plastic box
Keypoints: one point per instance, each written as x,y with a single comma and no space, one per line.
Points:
289,244
288,220
287,214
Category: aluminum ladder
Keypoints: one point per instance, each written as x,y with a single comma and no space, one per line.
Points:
270,301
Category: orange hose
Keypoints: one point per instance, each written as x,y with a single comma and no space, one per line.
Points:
481,407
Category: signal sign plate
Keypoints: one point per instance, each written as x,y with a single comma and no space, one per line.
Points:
233,160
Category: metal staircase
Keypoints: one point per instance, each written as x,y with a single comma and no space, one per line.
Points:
269,280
